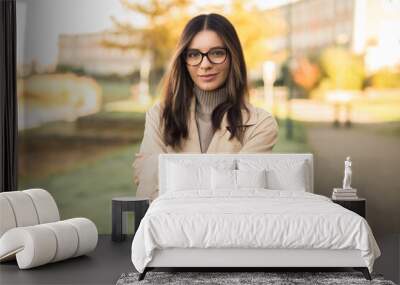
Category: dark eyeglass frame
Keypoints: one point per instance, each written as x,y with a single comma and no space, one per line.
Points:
203,54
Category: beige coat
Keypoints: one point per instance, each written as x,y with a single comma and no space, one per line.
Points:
260,135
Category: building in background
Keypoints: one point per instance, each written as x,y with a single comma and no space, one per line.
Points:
365,27
88,52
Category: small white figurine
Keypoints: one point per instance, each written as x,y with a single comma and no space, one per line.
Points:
347,174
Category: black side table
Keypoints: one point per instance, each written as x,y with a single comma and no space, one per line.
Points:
127,204
357,205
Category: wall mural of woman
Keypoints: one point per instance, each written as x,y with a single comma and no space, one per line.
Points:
205,106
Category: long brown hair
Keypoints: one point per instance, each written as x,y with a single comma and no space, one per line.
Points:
178,86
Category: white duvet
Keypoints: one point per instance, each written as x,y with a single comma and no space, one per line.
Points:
252,218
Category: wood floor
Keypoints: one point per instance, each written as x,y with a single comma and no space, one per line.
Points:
111,259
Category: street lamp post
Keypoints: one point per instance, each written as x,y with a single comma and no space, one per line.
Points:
144,90
289,83
269,76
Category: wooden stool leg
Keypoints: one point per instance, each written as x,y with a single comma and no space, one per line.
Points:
116,221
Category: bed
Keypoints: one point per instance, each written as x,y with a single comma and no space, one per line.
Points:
247,210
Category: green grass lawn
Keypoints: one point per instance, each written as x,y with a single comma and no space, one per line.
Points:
298,144
114,90
86,190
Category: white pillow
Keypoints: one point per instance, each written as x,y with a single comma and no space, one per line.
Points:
236,179
281,174
223,179
185,178
251,178
291,180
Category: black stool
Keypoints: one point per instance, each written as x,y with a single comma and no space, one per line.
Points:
127,204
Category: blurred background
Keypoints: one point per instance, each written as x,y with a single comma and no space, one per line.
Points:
329,70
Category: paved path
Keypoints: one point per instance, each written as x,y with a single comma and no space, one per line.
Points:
376,167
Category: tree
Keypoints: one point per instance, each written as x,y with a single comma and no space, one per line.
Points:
305,74
254,27
340,70
386,79
163,23
343,69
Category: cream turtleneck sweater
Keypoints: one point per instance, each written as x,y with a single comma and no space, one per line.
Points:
206,101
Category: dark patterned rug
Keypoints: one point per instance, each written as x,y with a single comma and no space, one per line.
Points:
230,278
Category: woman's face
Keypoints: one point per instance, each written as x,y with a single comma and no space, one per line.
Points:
207,75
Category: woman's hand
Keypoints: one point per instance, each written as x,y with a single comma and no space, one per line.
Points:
139,155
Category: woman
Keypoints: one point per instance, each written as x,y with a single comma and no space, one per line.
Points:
205,105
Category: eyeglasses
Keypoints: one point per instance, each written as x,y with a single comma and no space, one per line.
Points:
194,57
